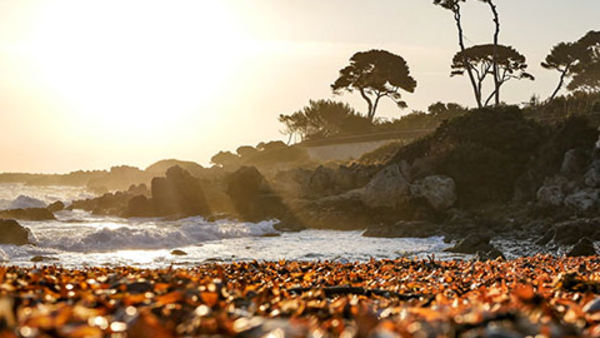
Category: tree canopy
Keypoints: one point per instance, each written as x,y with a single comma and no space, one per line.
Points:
481,59
376,74
578,61
322,119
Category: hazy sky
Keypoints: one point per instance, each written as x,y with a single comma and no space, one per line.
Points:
90,84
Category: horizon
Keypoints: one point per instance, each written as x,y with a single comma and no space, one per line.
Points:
188,80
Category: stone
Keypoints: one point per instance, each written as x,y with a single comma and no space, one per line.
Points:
11,232
42,259
389,188
583,200
592,176
552,193
178,193
140,206
585,247
439,190
178,252
592,306
491,255
574,163
29,214
56,206
471,244
569,232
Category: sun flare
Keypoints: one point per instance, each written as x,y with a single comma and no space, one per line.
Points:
147,65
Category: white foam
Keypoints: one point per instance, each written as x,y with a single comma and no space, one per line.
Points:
91,237
23,202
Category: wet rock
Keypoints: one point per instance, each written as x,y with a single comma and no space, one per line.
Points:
107,204
570,232
546,238
389,188
439,190
583,200
471,244
574,163
11,232
552,193
56,206
178,252
489,256
585,247
29,214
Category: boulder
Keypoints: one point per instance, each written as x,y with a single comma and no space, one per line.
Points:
29,214
583,200
440,191
108,204
56,206
178,252
552,193
254,200
472,243
179,194
140,206
12,232
569,232
574,163
585,247
592,176
389,188
321,182
491,255
26,202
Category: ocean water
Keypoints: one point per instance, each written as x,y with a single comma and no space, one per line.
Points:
78,239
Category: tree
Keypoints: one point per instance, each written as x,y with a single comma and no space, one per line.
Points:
480,59
321,119
576,60
225,158
376,74
455,7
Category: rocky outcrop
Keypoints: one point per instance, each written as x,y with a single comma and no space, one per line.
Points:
177,194
552,193
440,191
56,206
254,200
582,200
326,181
389,188
570,232
108,204
29,214
574,163
12,232
584,247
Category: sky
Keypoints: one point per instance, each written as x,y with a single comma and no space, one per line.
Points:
92,84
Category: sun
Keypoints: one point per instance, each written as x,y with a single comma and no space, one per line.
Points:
146,63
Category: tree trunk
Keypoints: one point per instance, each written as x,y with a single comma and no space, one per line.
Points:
560,83
370,112
496,37
461,43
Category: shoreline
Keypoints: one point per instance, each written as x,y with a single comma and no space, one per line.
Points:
544,295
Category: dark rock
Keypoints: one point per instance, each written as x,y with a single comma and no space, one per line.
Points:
29,214
569,232
140,206
12,232
585,247
321,182
472,243
574,163
108,204
489,256
403,229
56,206
255,201
178,193
271,235
592,306
140,189
178,252
548,236
41,259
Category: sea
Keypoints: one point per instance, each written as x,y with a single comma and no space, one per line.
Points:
78,239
